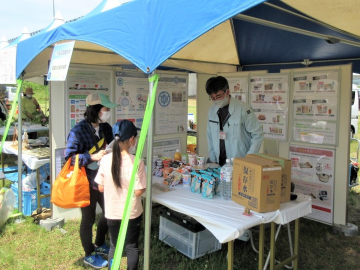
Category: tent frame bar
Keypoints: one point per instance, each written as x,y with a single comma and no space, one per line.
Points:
302,62
294,29
310,19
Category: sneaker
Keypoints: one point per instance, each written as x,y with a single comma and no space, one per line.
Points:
104,249
95,261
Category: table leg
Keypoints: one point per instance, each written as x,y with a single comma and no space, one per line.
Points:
231,255
296,244
261,246
2,167
272,246
38,188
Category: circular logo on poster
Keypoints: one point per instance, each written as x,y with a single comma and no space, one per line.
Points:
120,82
176,80
125,102
164,99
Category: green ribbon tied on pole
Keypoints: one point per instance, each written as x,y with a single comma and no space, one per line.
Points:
13,108
129,199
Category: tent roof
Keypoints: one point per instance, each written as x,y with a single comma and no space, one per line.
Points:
217,39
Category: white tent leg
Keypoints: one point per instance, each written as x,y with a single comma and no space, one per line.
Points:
148,204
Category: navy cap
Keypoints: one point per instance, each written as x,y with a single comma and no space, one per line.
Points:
125,129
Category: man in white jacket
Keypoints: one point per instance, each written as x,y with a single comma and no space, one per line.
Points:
233,129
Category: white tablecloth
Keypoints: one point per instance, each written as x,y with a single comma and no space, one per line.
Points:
31,128
225,219
32,162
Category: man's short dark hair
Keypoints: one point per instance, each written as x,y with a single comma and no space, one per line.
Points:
92,113
216,84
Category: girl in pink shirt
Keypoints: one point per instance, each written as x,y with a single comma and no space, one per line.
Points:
114,181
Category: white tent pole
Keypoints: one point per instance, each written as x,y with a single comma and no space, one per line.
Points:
294,29
19,153
148,204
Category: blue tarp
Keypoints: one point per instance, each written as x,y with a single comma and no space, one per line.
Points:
144,32
148,32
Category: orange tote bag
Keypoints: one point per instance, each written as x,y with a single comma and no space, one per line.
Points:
71,187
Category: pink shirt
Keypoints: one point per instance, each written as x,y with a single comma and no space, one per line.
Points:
115,197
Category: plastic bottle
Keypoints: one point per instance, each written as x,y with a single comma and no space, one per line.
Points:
226,180
26,137
177,155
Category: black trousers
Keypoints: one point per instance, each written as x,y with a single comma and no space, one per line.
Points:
87,221
131,241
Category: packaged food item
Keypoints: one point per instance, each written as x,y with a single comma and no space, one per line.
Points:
186,178
177,155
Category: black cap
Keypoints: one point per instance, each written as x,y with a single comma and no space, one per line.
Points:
125,129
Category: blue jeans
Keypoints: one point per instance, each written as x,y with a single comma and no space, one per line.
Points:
131,240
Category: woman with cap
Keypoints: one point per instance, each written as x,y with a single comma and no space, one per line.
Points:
88,138
114,181
29,105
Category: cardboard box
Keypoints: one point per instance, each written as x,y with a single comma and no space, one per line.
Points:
256,184
285,177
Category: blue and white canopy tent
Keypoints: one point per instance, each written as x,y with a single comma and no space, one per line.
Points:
204,36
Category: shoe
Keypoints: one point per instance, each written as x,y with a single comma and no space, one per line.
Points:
95,261
104,249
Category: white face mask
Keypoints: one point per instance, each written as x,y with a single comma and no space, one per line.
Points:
221,103
132,148
105,116
29,96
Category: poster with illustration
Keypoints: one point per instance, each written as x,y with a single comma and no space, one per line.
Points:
79,84
269,98
313,172
315,106
131,94
238,87
171,104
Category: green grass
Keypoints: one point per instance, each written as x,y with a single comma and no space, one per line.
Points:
28,246
192,109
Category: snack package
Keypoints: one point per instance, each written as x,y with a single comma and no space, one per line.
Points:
208,188
196,184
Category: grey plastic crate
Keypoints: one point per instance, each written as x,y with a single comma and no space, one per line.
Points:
192,245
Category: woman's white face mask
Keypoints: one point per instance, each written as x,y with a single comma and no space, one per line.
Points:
29,96
132,148
222,103
105,115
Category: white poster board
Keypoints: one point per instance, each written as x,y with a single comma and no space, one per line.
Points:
8,65
171,104
269,98
315,107
313,173
166,147
238,87
131,94
60,61
79,84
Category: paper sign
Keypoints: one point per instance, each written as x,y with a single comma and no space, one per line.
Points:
60,61
8,65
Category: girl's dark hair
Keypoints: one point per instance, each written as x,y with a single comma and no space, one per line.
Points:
216,84
116,162
92,113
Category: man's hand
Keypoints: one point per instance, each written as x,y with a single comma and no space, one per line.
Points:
98,155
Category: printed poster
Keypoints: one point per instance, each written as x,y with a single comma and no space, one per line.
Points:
269,98
8,65
319,132
131,94
238,87
79,84
171,104
312,172
315,106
